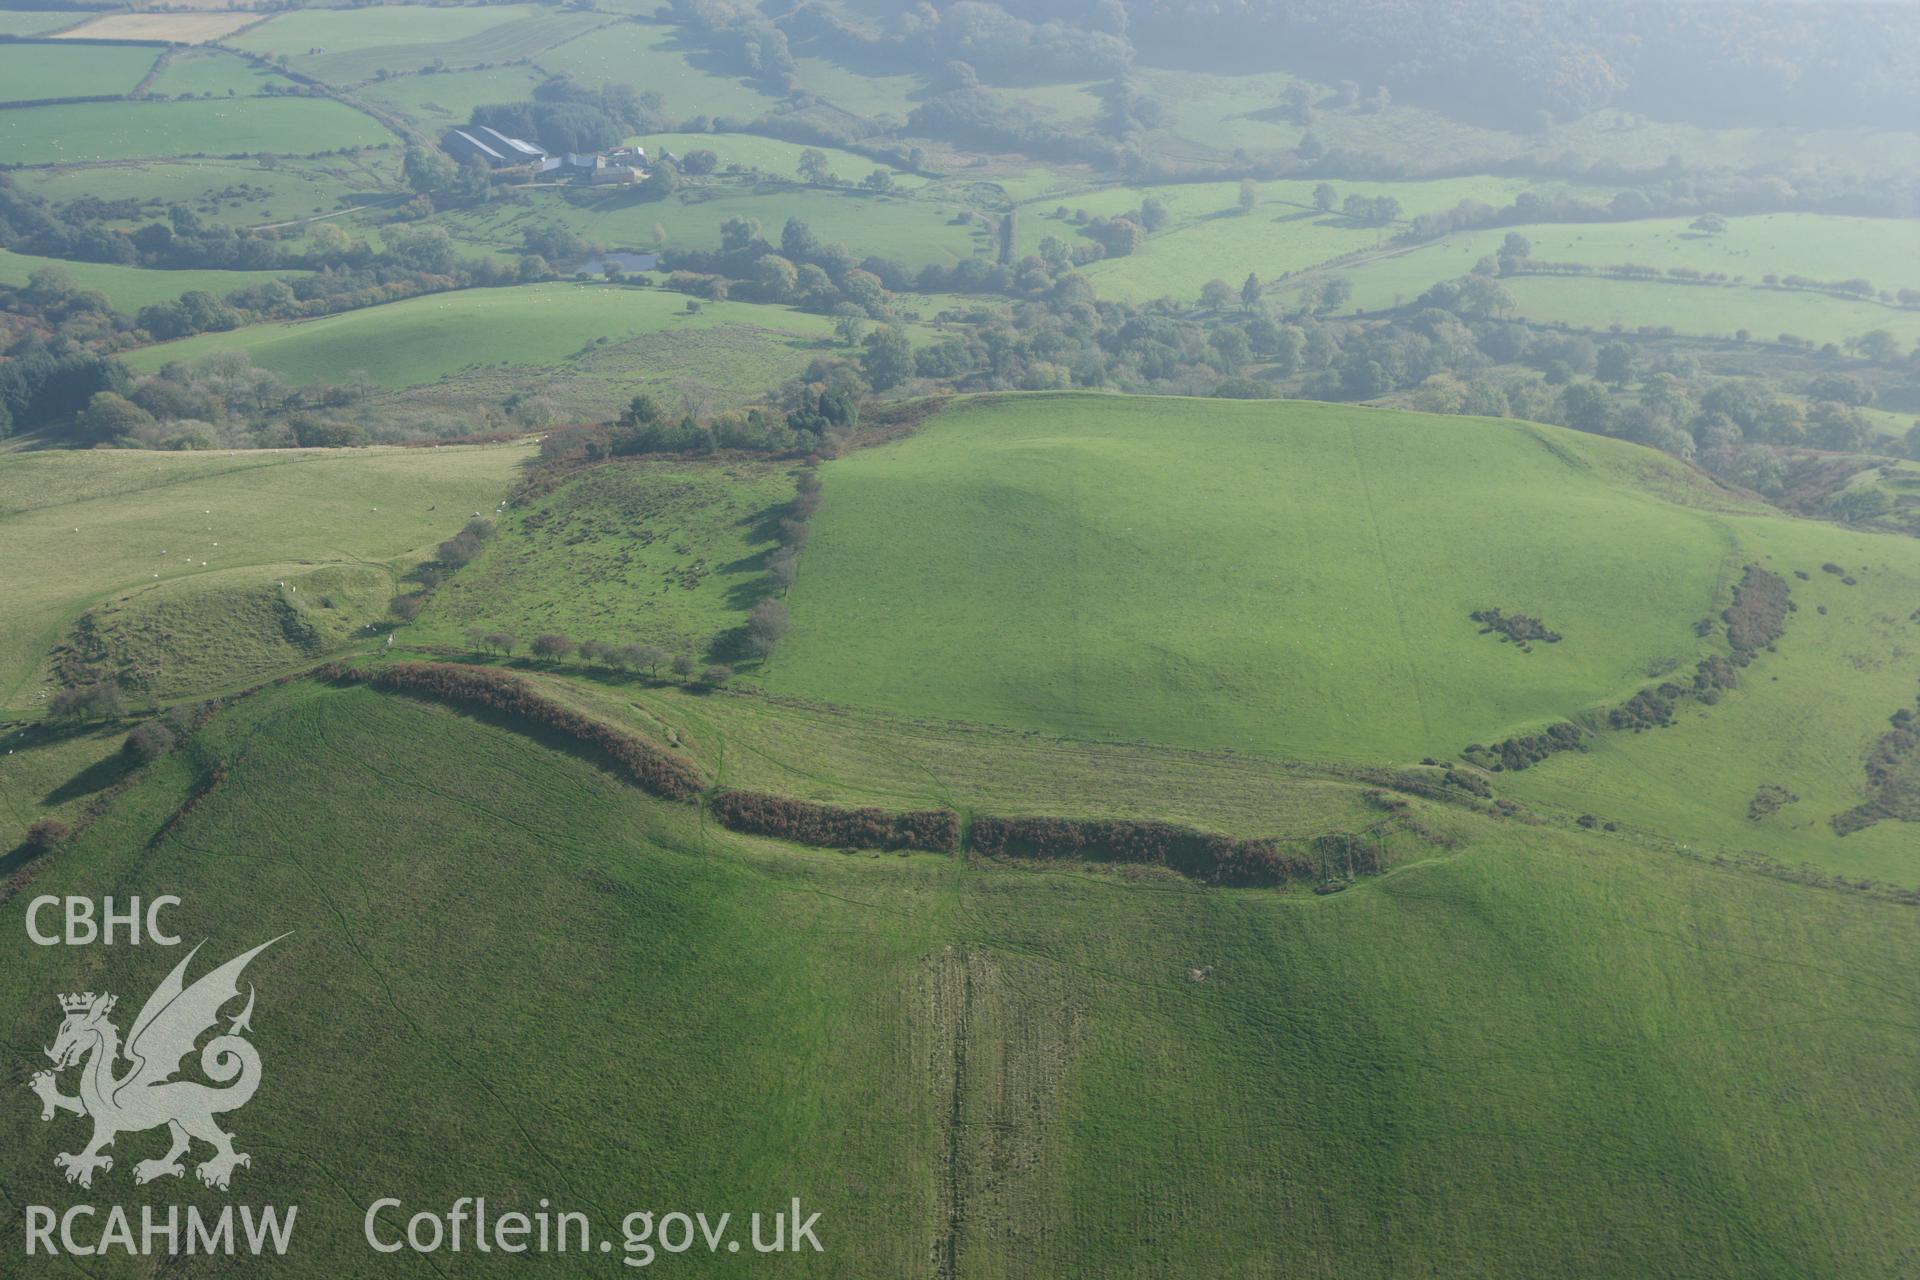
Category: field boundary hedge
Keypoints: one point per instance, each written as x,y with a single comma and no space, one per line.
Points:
831,826
1206,856
1199,855
652,769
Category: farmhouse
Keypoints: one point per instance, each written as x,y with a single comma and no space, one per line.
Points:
616,174
621,165
490,147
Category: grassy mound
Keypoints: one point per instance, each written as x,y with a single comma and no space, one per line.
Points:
86,529
1033,1073
186,636
1295,579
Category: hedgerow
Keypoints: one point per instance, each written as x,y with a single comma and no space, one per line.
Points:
832,827
648,766
1203,855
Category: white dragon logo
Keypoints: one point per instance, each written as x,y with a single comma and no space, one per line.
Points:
147,1096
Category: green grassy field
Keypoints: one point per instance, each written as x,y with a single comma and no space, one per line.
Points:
1212,115
1207,237
655,58
172,639
1014,1068
909,230
1010,564
864,94
234,192
74,133
447,98
480,328
663,553
211,71
1638,1012
344,47
29,72
130,288
32,22
97,525
1766,313
1819,246
722,367
1310,601
1804,720
841,755
770,156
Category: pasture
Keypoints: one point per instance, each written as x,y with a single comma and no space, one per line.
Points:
1804,719
1766,313
862,93
1207,236
1015,562
655,58
80,132
99,525
1818,246
1014,1066
771,156
1638,1011
726,367
199,27
665,553
911,231
842,755
131,288
236,192
448,98
176,638
33,22
419,340
345,47
212,73
32,72
1211,115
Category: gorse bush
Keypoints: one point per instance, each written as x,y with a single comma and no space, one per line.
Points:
88,702
1525,750
148,742
1516,628
45,835
1758,614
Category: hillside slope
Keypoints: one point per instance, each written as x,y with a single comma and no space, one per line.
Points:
1289,578
1548,1054
1297,580
203,531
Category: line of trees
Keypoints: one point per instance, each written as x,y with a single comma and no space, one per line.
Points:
558,647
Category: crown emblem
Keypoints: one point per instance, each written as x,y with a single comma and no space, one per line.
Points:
81,1002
